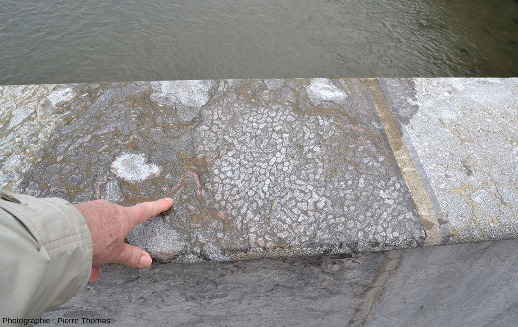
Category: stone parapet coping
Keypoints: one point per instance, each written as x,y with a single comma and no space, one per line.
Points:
262,168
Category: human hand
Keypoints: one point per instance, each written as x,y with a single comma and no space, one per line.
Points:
109,224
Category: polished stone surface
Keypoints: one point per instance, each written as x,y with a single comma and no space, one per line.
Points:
268,168
465,136
256,167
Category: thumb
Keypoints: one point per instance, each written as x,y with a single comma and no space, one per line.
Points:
134,257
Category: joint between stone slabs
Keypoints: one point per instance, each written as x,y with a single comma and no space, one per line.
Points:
416,188
371,296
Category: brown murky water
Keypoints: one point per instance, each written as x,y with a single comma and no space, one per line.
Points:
87,41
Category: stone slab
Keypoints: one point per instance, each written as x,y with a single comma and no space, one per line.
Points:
256,167
311,291
454,285
266,168
464,135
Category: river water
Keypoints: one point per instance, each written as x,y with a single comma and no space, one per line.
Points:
43,41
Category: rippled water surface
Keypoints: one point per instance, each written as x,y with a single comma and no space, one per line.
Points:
84,41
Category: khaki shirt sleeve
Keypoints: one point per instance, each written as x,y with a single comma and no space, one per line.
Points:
45,254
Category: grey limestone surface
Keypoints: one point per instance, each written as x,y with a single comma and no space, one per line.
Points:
465,136
255,167
311,291
454,285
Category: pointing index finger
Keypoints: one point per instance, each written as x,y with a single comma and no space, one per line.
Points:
145,210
